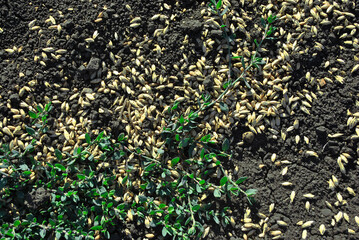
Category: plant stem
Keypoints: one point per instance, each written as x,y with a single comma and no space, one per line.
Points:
192,216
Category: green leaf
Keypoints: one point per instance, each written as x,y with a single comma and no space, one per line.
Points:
88,138
217,193
52,222
223,180
164,231
30,130
124,179
48,107
225,85
198,188
39,109
255,41
175,105
99,227
59,166
107,234
43,232
174,161
202,182
121,137
27,173
203,151
181,119
224,11
32,114
241,179
58,154
224,107
195,208
236,57
219,4
17,223
9,233
225,145
251,192
271,19
223,26
99,137
206,138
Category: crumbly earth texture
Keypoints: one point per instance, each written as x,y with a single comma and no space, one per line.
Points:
116,66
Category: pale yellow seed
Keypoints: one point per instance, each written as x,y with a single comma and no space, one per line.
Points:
351,231
129,215
309,195
147,223
304,234
351,191
275,233
292,196
322,229
273,157
282,223
355,68
346,217
284,171
332,223
233,222
307,224
206,231
329,205
271,207
149,235
311,154
356,218
335,180
338,216
331,184
339,197
287,184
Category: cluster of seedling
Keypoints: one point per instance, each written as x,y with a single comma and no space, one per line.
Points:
172,192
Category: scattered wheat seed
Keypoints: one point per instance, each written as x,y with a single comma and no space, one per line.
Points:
282,223
275,233
339,197
309,195
311,154
287,184
338,216
292,196
322,229
149,235
271,208
335,180
351,191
